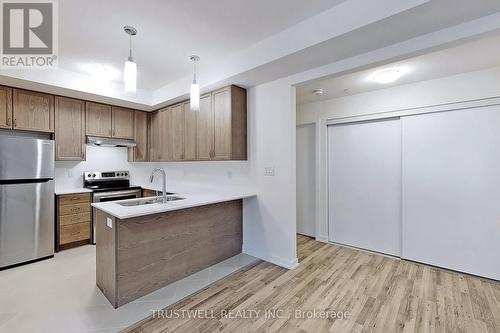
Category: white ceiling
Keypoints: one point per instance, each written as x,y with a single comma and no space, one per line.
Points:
467,57
91,32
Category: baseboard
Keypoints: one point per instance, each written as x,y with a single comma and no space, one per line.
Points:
285,263
322,239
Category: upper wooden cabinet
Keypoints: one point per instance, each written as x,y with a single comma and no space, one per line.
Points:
205,125
109,121
98,119
122,123
33,111
5,107
176,133
227,131
217,132
140,152
190,133
69,129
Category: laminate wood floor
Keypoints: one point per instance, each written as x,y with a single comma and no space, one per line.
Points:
380,294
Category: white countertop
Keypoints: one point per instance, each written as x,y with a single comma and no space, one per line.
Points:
191,200
61,191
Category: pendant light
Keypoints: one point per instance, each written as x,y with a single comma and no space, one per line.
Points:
130,68
195,87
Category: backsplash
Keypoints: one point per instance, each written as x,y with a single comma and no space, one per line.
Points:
180,175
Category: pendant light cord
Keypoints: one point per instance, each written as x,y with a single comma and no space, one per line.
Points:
130,49
194,65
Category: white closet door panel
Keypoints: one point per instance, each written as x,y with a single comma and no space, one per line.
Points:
451,190
306,180
365,185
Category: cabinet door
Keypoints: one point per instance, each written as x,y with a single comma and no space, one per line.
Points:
98,119
221,100
165,129
140,152
190,133
177,132
154,137
5,107
33,111
205,128
123,123
69,129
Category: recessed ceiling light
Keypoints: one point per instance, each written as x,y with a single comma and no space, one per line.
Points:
102,72
388,75
318,92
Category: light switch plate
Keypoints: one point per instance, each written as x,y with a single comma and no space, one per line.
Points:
269,171
109,222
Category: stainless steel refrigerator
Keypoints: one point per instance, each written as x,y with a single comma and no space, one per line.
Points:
26,199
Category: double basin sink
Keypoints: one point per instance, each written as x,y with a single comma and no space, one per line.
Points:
149,201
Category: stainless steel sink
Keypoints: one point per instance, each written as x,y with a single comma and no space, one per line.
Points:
148,201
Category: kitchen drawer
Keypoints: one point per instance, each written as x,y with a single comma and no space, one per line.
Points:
74,232
74,218
68,199
74,208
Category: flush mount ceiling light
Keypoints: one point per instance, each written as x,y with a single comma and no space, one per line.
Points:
388,75
195,87
318,92
130,68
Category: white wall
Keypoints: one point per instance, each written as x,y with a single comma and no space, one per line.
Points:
453,89
306,180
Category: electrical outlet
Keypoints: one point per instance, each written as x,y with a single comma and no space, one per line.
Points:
269,171
109,222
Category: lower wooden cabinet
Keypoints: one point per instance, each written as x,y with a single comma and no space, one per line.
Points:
73,220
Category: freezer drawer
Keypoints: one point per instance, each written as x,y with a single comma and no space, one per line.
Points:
26,222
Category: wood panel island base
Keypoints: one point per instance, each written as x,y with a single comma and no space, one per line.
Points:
136,256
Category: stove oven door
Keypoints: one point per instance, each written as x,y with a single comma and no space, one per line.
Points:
113,196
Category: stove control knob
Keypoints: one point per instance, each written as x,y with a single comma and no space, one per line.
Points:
125,174
89,175
93,175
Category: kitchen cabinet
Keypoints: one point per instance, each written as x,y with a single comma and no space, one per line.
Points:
73,220
225,130
154,136
33,111
109,121
205,128
216,132
176,133
98,120
69,129
161,145
190,133
5,107
140,152
122,123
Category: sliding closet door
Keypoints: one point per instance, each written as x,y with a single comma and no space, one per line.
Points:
364,169
451,190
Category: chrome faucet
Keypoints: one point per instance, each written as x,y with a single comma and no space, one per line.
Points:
164,182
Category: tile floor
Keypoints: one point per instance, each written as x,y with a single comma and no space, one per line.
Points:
60,295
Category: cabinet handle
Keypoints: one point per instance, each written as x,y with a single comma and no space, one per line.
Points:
15,122
8,121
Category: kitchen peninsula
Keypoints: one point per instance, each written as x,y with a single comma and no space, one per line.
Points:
144,244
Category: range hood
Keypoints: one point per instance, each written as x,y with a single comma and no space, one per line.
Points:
109,142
